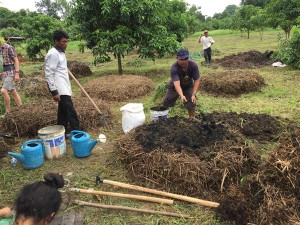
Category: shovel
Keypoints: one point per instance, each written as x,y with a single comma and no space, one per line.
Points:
104,119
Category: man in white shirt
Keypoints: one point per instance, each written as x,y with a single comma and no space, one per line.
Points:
207,42
57,77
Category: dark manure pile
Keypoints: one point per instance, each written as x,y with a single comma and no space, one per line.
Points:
79,69
120,87
232,83
216,157
245,60
29,118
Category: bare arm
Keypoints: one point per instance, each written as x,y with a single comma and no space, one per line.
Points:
17,68
199,40
179,91
195,89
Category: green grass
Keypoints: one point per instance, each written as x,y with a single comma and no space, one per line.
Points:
279,98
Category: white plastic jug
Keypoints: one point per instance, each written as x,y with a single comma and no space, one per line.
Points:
132,116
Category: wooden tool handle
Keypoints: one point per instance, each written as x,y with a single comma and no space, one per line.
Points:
82,89
163,193
136,197
82,203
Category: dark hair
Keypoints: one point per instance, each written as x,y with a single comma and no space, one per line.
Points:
40,199
60,34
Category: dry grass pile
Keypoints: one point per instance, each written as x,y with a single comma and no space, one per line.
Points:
34,87
244,60
79,69
165,154
280,179
29,118
119,87
4,148
232,83
224,169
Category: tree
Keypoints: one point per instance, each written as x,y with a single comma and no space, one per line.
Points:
58,9
283,14
245,19
288,50
257,3
38,30
175,18
7,18
119,26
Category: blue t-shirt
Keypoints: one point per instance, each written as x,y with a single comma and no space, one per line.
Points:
186,78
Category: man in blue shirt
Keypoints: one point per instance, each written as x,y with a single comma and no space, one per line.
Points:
185,80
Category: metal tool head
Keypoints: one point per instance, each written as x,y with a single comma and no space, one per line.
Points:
98,180
105,121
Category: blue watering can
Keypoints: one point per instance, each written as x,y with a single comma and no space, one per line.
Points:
81,144
32,154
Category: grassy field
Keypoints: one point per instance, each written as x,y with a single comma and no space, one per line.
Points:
279,98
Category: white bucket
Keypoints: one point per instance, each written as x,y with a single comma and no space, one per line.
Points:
54,141
158,112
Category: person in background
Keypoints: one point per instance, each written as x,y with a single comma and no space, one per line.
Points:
185,80
56,74
11,70
37,203
207,42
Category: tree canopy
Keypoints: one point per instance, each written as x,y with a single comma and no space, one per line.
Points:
119,26
283,14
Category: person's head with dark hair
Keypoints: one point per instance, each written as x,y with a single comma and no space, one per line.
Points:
61,38
38,202
60,34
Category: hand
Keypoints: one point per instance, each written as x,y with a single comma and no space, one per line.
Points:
183,99
56,98
17,77
193,99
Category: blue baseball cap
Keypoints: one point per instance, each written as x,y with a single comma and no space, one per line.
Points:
182,53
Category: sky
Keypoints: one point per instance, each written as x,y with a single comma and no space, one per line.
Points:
208,7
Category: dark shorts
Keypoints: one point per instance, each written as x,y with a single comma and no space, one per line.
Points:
172,95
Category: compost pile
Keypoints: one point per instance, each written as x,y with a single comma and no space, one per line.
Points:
29,118
34,87
232,83
79,69
119,87
217,157
245,60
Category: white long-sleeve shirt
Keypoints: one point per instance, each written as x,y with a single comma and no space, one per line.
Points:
56,73
206,42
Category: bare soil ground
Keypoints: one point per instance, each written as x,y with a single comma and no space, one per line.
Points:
245,60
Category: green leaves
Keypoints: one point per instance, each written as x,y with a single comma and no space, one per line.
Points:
115,27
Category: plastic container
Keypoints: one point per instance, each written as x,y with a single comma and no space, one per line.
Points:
53,140
158,112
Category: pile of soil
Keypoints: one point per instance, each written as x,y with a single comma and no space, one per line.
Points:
245,60
216,157
34,87
29,118
119,87
79,69
232,83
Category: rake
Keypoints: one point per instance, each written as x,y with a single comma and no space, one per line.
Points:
105,120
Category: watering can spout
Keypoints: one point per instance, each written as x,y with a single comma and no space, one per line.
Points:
91,145
19,157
